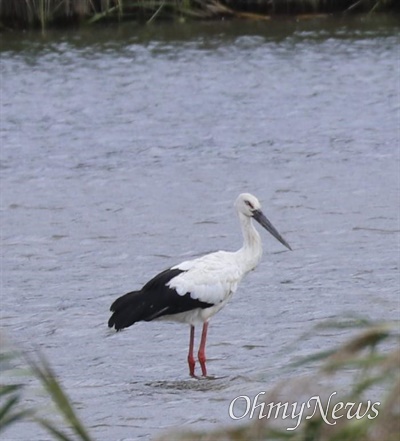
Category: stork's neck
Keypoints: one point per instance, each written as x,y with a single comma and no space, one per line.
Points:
251,251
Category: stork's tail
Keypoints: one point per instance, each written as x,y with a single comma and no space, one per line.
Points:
127,310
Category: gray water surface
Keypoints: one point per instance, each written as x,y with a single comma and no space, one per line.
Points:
122,152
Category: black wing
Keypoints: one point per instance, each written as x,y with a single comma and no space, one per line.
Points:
154,300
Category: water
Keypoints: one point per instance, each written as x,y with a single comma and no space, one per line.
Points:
122,152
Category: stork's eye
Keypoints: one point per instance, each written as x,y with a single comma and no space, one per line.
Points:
249,204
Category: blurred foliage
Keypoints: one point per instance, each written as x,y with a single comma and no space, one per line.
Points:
11,410
371,359
44,13
12,407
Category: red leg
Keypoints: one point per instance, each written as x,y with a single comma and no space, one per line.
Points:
202,349
191,361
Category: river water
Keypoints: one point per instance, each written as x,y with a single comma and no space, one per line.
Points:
122,152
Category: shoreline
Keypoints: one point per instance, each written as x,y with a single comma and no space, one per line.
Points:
45,14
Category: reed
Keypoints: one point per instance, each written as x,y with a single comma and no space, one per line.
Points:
44,13
13,409
371,358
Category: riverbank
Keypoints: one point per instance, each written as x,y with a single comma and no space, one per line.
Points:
50,13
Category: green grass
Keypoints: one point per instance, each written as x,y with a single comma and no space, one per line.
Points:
13,410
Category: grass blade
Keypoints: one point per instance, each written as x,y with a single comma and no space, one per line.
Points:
43,371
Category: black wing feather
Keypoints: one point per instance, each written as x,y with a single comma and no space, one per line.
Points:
154,300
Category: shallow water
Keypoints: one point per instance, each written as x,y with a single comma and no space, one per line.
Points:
122,152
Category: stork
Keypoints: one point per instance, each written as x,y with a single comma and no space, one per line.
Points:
193,291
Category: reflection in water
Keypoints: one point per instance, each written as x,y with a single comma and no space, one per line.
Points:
205,384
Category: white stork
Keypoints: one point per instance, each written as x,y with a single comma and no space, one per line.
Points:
193,291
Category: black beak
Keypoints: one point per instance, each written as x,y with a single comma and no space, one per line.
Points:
263,221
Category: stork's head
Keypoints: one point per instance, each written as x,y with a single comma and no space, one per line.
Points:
249,205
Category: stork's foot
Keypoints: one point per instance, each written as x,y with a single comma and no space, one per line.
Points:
207,378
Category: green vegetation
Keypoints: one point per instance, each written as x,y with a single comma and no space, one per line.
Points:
371,359
44,13
13,411
369,364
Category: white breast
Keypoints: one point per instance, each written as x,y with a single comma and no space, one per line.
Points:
212,278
